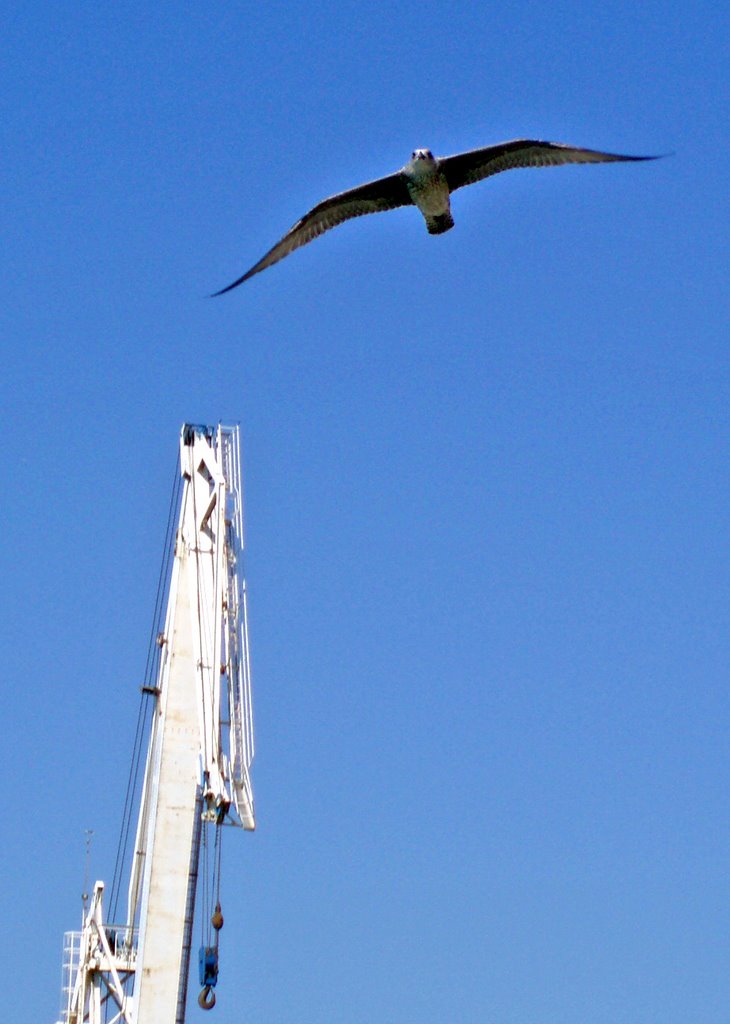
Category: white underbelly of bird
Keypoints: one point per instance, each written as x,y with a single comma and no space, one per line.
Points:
431,196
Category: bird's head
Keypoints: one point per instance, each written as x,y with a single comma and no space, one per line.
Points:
422,154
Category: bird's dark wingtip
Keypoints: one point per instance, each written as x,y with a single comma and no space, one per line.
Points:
234,284
653,156
228,288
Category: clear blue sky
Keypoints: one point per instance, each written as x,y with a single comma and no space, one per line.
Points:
486,490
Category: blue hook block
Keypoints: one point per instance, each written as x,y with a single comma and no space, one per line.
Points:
208,965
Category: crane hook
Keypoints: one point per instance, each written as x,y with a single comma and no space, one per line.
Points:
217,918
206,999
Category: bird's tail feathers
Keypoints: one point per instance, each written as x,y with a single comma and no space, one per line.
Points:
440,223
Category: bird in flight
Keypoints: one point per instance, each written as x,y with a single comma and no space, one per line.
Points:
427,182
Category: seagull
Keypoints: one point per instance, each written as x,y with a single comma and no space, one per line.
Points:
426,182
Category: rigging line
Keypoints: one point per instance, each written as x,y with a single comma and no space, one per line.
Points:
153,652
145,710
148,710
141,729
195,539
204,737
121,845
219,845
163,578
205,916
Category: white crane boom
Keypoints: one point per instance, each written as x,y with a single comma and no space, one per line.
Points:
198,760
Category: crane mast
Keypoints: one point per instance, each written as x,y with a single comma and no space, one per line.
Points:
198,762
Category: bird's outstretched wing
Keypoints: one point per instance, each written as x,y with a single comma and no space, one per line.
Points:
373,197
466,168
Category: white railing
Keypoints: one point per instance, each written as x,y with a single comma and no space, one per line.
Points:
69,968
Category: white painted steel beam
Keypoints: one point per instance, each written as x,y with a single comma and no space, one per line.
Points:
199,757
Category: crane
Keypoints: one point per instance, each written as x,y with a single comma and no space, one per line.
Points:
197,770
